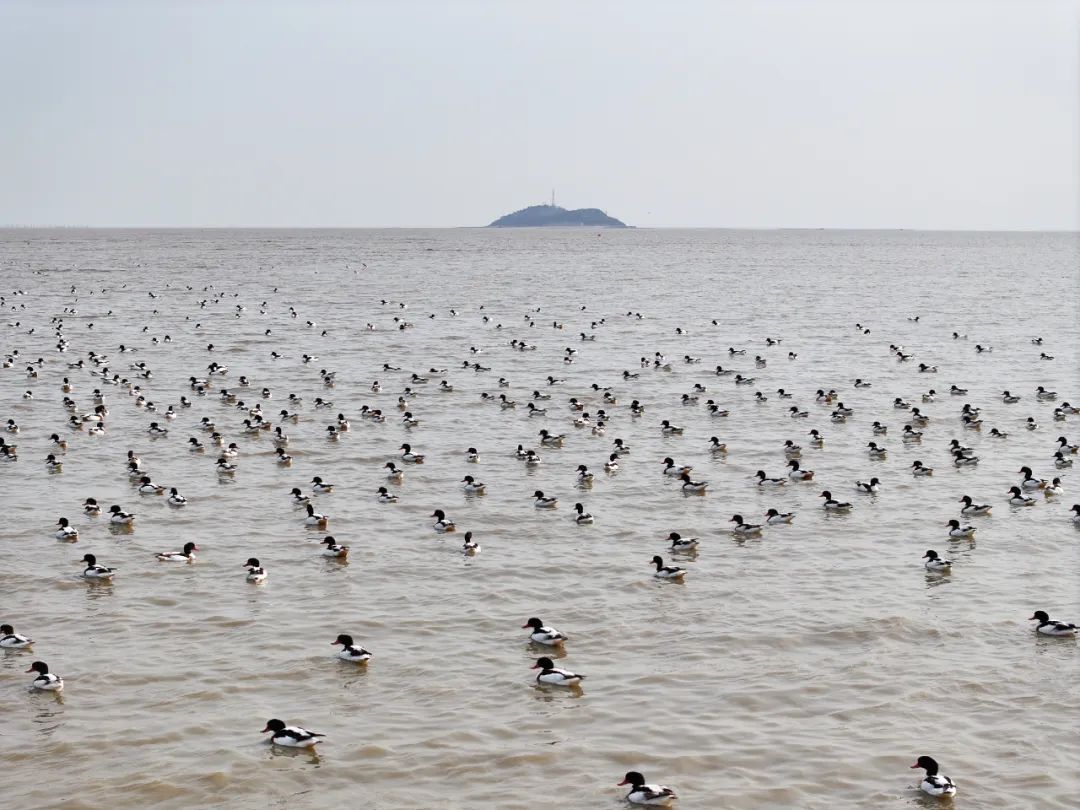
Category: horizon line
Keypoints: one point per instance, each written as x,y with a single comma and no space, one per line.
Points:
891,229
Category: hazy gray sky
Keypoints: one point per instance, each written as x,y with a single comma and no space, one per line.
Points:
868,113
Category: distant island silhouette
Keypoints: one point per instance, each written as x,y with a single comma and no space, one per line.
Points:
550,216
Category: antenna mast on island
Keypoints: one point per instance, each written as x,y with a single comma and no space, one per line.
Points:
553,198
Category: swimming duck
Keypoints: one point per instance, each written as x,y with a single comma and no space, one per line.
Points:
349,651
997,434
11,640
224,467
119,517
549,440
315,519
935,563
441,523
255,571
1029,481
384,496
612,464
58,443
95,571
680,543
972,508
1008,398
961,459
66,531
774,517
283,458
666,571
933,783
816,439
930,396
957,532
1054,488
175,498
539,633
792,450
671,468
879,429
641,793
911,435
1061,462
291,736
957,392
871,487
796,413
320,487
396,475
715,410
472,486
743,528
52,465
45,680
180,556
582,516
1031,424
1048,627
550,674
90,507
333,549
798,474
584,477
543,502
148,487
156,431
408,456
764,481
1017,498
833,505
1043,394
470,548
692,486
874,451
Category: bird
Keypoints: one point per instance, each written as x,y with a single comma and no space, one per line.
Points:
743,528
441,524
539,633
291,736
680,543
543,502
935,563
833,505
1018,498
45,680
472,486
314,519
95,571
65,531
349,651
1048,627
665,571
180,556
671,468
384,496
582,517
642,793
765,481
918,469
11,640
774,517
333,549
255,571
870,487
972,508
550,674
958,532
933,783
692,486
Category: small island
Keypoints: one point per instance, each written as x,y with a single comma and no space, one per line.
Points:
551,216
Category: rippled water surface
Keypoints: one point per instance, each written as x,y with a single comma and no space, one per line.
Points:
805,668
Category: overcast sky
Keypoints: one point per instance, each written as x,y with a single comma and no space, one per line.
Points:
746,113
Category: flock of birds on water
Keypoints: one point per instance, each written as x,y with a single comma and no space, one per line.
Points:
53,382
